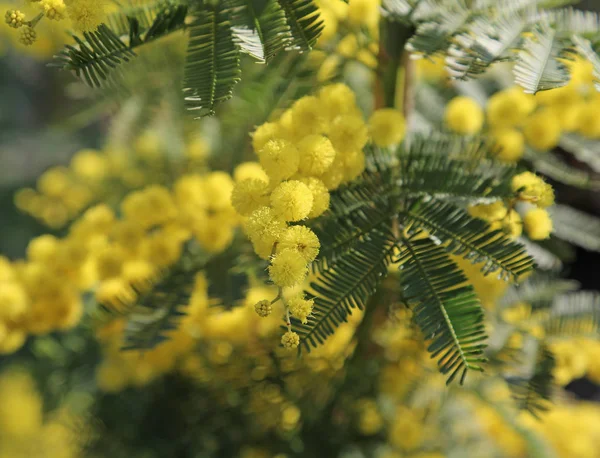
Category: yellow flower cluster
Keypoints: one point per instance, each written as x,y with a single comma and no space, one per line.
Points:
84,16
313,148
515,119
358,20
24,430
98,176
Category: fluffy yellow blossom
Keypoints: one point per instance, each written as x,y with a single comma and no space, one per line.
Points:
509,107
571,362
249,195
264,133
387,127
308,117
330,25
86,15
537,224
21,413
511,224
217,187
263,225
348,133
542,130
42,248
89,165
290,340
14,18
300,308
588,121
263,308
534,189
354,165
280,159
363,12
370,420
288,268
406,432
149,207
335,175
509,143
247,170
291,200
302,240
348,46
197,149
316,154
489,212
53,9
13,301
320,195
464,115
338,99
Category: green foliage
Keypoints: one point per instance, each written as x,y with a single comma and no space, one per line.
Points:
213,65
576,227
471,238
445,306
348,285
219,32
574,314
533,393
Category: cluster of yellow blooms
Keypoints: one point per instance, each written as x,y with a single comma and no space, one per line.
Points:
536,195
315,146
84,16
24,429
351,31
515,119
104,176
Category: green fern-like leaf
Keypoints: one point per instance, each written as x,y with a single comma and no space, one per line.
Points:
445,307
471,238
539,291
348,285
94,57
305,25
538,68
534,393
486,43
583,149
440,177
213,64
574,314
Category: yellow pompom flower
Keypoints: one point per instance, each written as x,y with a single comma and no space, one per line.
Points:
338,99
488,212
14,18
464,115
348,46
53,9
316,154
86,15
291,200
148,207
533,188
249,195
263,308
288,268
510,144
588,121
13,301
290,340
21,406
217,188
320,195
264,133
581,70
354,165
335,175
263,226
300,308
387,127
542,130
308,117
363,12
330,26
511,224
348,133
89,165
509,107
280,159
42,248
247,170
302,240
537,224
